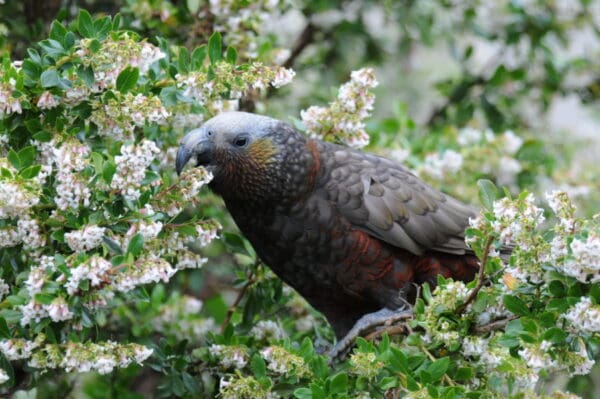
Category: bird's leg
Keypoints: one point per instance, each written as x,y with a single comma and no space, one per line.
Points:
364,324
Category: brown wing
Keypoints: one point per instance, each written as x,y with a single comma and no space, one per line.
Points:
388,201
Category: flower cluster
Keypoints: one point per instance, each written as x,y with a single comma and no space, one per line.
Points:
131,168
83,357
439,165
365,364
230,82
116,54
85,239
118,117
242,23
267,330
445,298
237,387
584,317
281,361
230,356
16,199
343,119
71,158
477,150
8,103
181,318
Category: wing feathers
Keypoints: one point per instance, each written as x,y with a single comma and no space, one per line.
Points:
392,204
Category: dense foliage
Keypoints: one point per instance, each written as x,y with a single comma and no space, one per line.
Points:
120,279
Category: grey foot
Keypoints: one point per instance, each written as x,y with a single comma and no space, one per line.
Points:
364,324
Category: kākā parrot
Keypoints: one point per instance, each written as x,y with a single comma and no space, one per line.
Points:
352,232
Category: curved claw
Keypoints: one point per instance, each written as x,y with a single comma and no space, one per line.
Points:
364,324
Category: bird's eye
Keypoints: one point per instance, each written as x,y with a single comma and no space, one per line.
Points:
240,141
209,133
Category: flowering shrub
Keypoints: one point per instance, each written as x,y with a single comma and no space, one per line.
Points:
87,215
100,244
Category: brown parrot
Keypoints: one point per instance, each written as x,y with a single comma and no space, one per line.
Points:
352,232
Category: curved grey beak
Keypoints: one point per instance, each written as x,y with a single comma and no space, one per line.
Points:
194,144
183,156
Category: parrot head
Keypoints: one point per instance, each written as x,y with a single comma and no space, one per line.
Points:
249,155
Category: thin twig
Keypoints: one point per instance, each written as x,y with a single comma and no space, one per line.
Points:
241,293
306,37
480,276
493,326
433,359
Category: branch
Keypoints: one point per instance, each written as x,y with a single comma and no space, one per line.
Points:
306,38
241,293
480,276
493,326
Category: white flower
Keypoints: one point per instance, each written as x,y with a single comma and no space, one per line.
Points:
469,136
32,311
229,356
584,316
438,166
141,353
4,288
47,101
283,76
17,349
94,269
537,359
508,169
104,364
3,376
15,200
511,142
267,329
85,239
131,168
58,310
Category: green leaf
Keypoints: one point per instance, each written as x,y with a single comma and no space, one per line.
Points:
135,245
112,245
231,55
102,26
27,156
30,172
338,384
4,331
50,78
438,368
388,383
463,373
488,192
516,305
193,6
215,52
258,366
57,31
116,22
44,298
555,335
198,56
85,25
14,160
108,171
127,79
86,74
183,60
557,288
303,393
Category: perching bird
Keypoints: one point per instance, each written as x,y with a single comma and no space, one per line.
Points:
352,232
